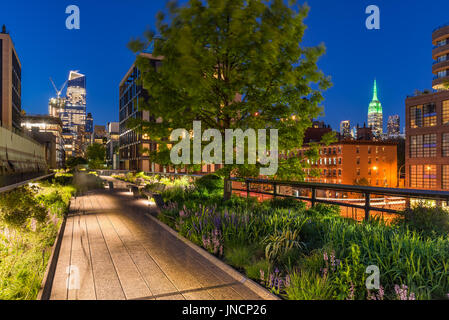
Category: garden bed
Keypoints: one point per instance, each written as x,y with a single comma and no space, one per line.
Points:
301,254
30,218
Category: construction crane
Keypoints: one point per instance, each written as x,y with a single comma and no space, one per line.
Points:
58,92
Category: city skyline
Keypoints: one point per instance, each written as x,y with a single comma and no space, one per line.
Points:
345,100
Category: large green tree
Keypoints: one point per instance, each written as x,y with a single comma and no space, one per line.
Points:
232,64
96,154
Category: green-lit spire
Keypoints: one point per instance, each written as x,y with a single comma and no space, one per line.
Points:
375,91
375,106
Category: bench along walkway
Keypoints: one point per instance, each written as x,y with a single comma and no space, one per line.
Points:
111,250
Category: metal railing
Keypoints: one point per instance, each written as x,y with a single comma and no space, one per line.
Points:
368,202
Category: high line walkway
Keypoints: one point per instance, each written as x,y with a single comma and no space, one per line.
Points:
112,250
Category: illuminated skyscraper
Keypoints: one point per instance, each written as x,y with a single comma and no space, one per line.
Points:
345,129
393,126
375,118
74,114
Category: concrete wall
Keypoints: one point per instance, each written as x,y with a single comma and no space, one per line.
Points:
19,154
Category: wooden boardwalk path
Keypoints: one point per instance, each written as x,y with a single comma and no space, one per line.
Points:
111,250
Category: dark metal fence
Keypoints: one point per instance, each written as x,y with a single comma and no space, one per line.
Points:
367,199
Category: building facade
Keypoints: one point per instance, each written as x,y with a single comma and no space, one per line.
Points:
10,83
427,141
440,55
133,144
372,163
47,130
112,145
427,125
375,116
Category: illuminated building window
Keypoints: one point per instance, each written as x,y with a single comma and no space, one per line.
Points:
423,176
358,172
423,146
423,116
358,160
445,113
445,145
445,177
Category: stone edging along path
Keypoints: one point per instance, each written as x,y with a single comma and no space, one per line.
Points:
47,281
258,289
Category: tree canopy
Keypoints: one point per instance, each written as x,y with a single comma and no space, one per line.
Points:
232,64
96,154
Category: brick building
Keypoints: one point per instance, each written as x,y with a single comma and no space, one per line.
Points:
351,162
427,124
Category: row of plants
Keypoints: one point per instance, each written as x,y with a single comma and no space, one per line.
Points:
301,253
30,217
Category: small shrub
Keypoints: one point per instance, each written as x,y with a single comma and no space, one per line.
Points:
239,256
307,285
427,220
287,203
324,210
211,183
253,270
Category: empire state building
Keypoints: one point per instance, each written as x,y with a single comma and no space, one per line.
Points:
375,117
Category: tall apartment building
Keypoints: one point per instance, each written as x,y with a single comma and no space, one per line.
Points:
375,116
440,54
133,144
10,83
427,125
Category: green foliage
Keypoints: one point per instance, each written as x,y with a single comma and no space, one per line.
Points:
324,254
239,255
253,270
287,203
281,243
308,285
96,154
27,233
251,51
18,207
427,220
211,183
73,162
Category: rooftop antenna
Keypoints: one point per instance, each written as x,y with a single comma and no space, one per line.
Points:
58,92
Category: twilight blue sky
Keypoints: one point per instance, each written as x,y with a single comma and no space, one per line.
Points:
398,55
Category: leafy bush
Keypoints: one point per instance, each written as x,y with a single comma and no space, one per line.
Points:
287,203
254,270
427,220
308,285
211,183
325,210
19,206
239,255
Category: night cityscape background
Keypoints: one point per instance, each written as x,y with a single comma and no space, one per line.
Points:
115,182
355,55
